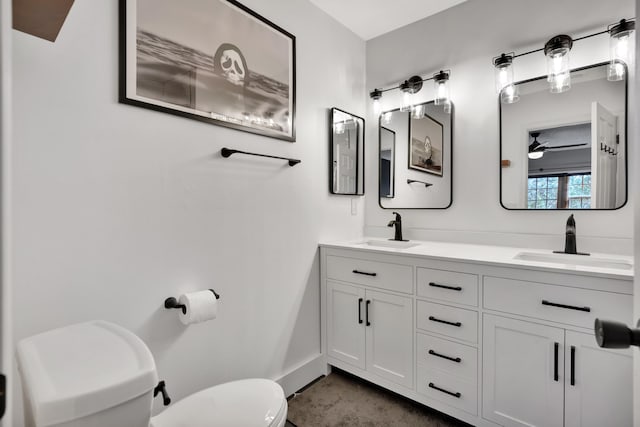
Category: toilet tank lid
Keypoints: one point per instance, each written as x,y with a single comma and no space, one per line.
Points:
75,371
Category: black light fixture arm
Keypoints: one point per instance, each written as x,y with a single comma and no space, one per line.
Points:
622,25
413,83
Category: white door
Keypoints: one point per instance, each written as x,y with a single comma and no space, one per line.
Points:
604,165
6,348
390,337
598,383
345,324
345,161
523,373
636,177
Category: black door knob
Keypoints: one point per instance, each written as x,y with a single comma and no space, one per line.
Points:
611,334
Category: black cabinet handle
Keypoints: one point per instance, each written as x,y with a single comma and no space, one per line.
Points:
366,312
570,307
365,273
453,359
433,319
438,285
555,361
360,310
573,365
450,393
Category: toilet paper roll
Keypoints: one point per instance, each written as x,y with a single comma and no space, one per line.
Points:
201,306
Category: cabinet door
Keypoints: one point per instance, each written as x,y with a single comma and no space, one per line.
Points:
345,324
390,337
523,373
600,391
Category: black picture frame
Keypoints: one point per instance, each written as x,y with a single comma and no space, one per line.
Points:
163,72
430,166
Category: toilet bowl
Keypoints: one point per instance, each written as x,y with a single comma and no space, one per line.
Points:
98,374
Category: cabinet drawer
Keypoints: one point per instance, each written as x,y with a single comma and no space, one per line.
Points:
449,389
461,288
446,320
456,359
573,306
384,275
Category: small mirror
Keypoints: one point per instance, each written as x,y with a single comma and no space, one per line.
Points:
415,158
387,162
566,150
346,162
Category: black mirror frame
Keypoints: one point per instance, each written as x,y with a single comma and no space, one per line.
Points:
358,151
626,144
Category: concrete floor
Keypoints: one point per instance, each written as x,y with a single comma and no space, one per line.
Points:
341,400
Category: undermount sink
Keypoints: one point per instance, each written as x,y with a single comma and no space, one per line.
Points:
391,244
568,259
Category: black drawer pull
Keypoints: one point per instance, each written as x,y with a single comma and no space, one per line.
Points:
360,310
433,319
570,307
450,393
438,285
453,359
365,273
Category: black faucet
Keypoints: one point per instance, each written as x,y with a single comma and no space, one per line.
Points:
570,239
398,227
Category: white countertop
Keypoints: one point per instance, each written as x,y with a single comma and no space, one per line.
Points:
497,255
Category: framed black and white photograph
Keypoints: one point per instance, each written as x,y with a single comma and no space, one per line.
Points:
425,145
210,60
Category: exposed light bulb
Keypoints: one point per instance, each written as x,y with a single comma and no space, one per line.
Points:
407,99
417,111
558,73
510,94
377,107
621,46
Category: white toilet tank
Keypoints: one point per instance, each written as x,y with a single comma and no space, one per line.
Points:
93,374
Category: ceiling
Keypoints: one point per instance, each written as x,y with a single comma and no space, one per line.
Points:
371,18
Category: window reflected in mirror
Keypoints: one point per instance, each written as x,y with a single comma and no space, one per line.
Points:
567,150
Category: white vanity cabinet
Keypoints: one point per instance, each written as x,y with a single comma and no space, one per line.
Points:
540,375
489,343
368,328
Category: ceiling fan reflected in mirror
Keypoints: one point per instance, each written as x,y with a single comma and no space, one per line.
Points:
537,149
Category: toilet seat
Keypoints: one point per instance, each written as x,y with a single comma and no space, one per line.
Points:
243,403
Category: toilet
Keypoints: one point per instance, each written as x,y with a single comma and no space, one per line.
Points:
98,374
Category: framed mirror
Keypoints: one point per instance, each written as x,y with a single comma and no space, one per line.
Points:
346,153
415,158
566,150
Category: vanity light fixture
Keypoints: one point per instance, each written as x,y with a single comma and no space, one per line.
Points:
412,86
558,73
620,48
508,92
557,51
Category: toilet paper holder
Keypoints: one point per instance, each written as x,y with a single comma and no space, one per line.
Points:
172,302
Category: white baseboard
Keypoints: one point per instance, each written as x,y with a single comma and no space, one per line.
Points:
303,374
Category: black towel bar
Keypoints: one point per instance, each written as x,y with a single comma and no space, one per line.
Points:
226,152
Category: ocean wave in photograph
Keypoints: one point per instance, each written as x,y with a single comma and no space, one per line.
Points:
177,74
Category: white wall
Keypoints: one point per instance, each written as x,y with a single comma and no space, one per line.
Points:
465,39
119,207
6,345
